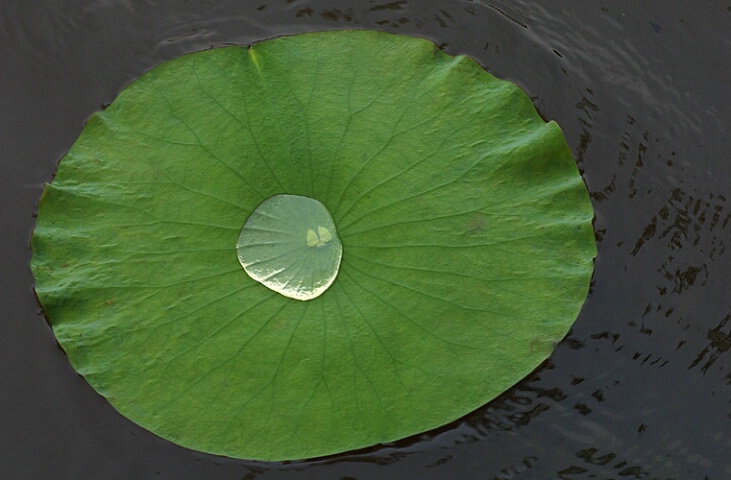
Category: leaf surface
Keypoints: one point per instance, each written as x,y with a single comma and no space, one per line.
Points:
466,234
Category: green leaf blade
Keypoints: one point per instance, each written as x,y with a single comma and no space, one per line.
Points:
463,224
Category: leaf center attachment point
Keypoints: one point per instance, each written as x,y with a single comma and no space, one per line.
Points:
290,245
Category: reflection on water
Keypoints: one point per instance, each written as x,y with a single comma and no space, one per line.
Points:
687,221
720,343
693,233
600,463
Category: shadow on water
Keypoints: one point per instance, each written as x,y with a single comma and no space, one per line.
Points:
641,387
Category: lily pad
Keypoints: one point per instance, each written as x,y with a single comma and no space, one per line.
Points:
467,245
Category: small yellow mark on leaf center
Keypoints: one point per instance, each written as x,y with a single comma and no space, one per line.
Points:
319,238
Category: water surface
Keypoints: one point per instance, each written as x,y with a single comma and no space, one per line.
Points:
641,388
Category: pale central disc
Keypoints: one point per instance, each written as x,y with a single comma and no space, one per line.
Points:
290,245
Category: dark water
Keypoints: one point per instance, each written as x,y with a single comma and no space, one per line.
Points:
641,388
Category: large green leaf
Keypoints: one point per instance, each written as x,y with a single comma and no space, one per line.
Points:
466,236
